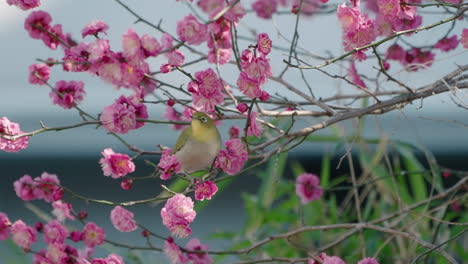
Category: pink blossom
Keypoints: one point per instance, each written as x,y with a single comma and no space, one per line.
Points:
390,9
47,187
25,4
8,128
114,259
464,38
55,232
173,252
40,258
406,24
75,236
165,68
5,226
24,188
198,258
131,45
52,39
168,165
395,52
177,214
76,58
94,28
116,165
242,107
205,190
67,94
249,86
23,235
192,31
93,235
56,253
236,13
368,261
126,184
36,20
258,68
447,44
355,78
39,73
219,56
308,6
172,115
254,129
308,187
264,96
62,211
264,43
234,132
348,16
232,159
122,219
120,117
166,41
327,259
208,90
417,59
175,58
208,6
150,45
98,51
265,8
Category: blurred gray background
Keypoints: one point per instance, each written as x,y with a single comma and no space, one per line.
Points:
73,155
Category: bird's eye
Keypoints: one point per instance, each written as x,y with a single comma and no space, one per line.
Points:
203,119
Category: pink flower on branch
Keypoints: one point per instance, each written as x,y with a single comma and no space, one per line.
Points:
121,116
62,211
265,8
198,258
264,43
122,219
39,73
25,4
8,128
55,232
190,30
308,187
207,90
368,261
355,77
47,187
116,165
168,165
177,214
37,24
93,235
205,190
254,128
5,226
23,235
67,94
24,188
173,252
232,159
94,28
447,44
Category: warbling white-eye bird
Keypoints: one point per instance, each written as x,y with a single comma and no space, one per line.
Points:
198,145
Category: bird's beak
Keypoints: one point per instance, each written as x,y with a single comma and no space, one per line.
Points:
193,118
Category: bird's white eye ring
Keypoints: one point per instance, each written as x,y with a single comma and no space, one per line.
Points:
203,119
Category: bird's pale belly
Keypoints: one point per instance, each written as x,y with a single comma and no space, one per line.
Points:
195,156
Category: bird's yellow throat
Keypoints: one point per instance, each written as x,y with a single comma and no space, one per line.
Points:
203,132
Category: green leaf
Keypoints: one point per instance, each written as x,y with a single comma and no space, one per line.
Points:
270,179
416,178
325,173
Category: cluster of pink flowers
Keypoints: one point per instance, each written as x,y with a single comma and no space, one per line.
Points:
205,190
232,159
234,132
168,165
62,211
8,128
23,235
447,44
358,29
308,187
94,28
254,129
67,94
116,165
255,69
122,219
25,4
38,25
120,117
5,226
413,59
45,187
207,90
54,232
192,31
39,73
177,214
176,256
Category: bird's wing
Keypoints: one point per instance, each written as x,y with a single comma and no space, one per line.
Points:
184,136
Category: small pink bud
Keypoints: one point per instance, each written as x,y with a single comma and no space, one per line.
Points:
145,233
290,108
456,206
126,184
295,9
39,226
265,96
446,174
386,65
82,215
171,102
165,68
51,62
242,107
76,236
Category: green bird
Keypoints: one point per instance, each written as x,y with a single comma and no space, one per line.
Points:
198,145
